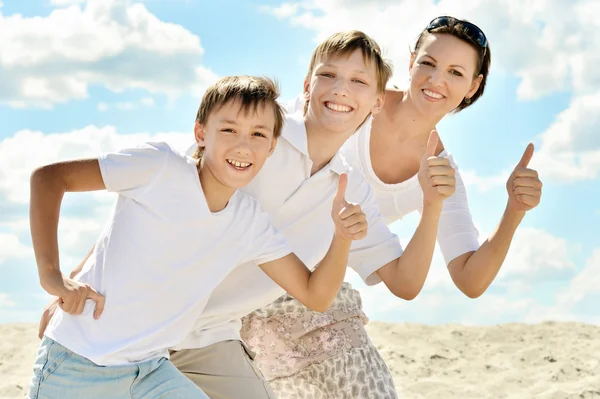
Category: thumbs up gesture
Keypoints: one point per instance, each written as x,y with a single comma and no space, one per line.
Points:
436,175
524,186
350,222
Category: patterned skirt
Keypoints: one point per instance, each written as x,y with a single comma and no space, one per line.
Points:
306,354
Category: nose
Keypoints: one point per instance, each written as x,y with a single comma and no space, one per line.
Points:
340,87
242,146
437,78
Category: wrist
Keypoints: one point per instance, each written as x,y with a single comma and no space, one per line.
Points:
432,207
513,215
52,281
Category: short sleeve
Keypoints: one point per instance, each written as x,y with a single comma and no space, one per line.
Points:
268,244
457,233
380,246
131,172
294,105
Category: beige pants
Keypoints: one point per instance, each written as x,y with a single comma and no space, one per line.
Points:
223,371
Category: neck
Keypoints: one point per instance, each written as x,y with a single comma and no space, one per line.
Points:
412,123
322,143
217,195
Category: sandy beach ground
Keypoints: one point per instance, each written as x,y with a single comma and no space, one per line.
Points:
546,361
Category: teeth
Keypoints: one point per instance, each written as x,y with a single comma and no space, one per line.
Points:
432,94
238,164
338,107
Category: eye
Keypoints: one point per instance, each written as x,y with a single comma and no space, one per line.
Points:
426,63
455,72
228,130
259,134
359,81
326,74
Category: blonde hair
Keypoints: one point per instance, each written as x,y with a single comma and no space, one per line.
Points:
345,43
250,91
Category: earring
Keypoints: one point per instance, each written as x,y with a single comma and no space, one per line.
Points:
467,100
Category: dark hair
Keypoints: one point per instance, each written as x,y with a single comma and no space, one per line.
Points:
250,91
484,56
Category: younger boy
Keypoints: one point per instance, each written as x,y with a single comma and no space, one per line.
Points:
180,226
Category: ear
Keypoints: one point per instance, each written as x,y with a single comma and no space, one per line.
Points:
413,56
474,86
379,102
199,134
273,145
306,91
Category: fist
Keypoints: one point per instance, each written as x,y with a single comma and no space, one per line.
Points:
436,175
524,185
350,221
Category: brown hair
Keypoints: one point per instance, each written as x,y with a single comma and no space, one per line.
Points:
345,43
250,91
484,56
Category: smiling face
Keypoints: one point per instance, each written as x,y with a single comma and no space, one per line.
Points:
442,74
237,141
342,91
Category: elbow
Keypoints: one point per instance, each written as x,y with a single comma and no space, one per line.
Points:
319,306
471,291
406,292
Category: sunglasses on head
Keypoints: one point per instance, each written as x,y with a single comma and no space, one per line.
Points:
471,30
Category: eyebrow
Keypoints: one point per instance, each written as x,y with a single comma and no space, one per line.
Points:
452,66
233,122
356,70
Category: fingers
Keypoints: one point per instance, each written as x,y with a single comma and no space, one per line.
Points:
432,144
528,200
527,155
352,222
524,172
340,195
527,182
43,324
99,299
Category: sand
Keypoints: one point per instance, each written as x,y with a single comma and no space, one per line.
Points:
521,361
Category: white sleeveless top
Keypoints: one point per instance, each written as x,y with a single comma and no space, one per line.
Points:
456,233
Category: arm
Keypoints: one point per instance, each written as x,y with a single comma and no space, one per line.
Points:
473,272
406,275
50,308
318,289
48,186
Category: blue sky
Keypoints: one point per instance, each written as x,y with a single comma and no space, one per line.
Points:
81,77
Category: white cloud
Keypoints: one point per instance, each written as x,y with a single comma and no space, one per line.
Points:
27,149
570,147
12,248
147,101
5,301
484,183
550,45
584,285
536,255
102,107
114,43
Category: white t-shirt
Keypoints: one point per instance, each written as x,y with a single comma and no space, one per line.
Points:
159,256
300,207
456,232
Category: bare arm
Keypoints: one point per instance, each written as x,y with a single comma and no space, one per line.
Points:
473,272
317,290
48,186
406,275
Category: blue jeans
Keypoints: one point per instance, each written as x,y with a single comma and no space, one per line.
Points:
59,373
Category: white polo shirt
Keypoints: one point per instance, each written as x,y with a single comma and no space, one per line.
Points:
159,257
300,207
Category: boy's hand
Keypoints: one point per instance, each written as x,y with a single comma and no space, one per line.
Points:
350,222
524,186
47,316
436,175
74,294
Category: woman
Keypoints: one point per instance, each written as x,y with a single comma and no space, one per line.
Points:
329,355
